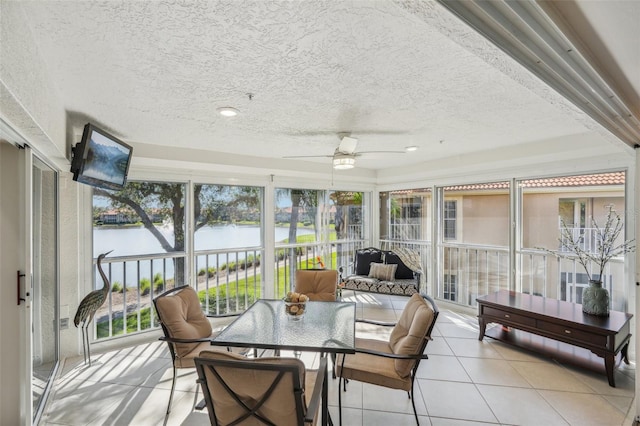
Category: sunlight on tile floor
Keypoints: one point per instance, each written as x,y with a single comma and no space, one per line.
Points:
464,382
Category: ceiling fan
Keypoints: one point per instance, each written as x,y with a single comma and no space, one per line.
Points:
344,157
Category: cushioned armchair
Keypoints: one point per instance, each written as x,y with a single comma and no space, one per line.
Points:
186,329
259,391
318,284
393,363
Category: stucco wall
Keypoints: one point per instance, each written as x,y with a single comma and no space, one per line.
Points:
485,220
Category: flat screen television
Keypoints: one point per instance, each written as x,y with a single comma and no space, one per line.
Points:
101,159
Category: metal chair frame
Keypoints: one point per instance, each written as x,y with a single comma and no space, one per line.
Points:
418,356
302,418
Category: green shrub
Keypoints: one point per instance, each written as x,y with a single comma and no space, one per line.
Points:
116,287
145,286
158,282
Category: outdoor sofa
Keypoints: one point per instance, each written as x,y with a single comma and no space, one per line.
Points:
380,271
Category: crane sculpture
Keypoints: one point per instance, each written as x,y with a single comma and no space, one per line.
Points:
88,307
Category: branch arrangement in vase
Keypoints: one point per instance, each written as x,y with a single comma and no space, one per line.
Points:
606,247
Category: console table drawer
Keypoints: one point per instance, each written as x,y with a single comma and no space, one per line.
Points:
573,334
508,316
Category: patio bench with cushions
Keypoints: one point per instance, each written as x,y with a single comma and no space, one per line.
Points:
381,271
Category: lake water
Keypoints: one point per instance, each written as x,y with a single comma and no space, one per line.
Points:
132,241
139,241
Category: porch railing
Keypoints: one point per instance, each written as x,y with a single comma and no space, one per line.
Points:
228,281
290,257
135,281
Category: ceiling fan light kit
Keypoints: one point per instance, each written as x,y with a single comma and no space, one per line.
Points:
343,161
228,111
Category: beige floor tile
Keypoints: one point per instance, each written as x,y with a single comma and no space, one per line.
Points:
350,416
514,353
399,303
82,402
378,398
384,418
445,393
550,376
493,372
154,349
463,330
196,418
440,421
625,385
622,403
507,404
378,314
438,346
472,348
185,379
583,409
631,413
443,399
439,367
352,398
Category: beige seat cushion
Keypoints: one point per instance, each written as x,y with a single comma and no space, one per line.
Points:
406,338
250,386
319,285
373,369
410,331
182,315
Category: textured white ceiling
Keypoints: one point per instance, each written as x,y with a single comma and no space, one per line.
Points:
393,73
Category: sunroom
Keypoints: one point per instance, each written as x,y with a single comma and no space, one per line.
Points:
469,133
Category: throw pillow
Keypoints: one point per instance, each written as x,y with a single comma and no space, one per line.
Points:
364,257
402,273
382,272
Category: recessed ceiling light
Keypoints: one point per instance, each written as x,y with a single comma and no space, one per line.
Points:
411,148
228,111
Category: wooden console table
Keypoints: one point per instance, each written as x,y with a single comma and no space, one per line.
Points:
530,321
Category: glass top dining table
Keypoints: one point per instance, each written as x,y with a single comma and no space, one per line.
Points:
327,327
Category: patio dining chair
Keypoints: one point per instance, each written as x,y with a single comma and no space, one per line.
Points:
186,328
393,363
259,391
317,284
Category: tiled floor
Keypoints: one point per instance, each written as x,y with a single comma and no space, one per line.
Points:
463,382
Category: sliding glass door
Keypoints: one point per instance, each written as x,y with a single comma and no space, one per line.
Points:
44,291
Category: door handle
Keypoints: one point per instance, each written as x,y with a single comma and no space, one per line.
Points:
20,299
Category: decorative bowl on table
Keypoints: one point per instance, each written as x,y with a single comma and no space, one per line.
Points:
295,305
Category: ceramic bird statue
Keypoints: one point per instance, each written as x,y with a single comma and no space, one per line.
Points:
88,307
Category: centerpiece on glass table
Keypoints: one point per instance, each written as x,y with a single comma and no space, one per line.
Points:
295,305
595,298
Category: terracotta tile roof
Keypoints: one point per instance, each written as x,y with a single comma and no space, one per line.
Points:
478,186
600,179
615,178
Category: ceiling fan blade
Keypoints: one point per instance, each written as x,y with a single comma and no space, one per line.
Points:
348,145
380,152
308,156
307,133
